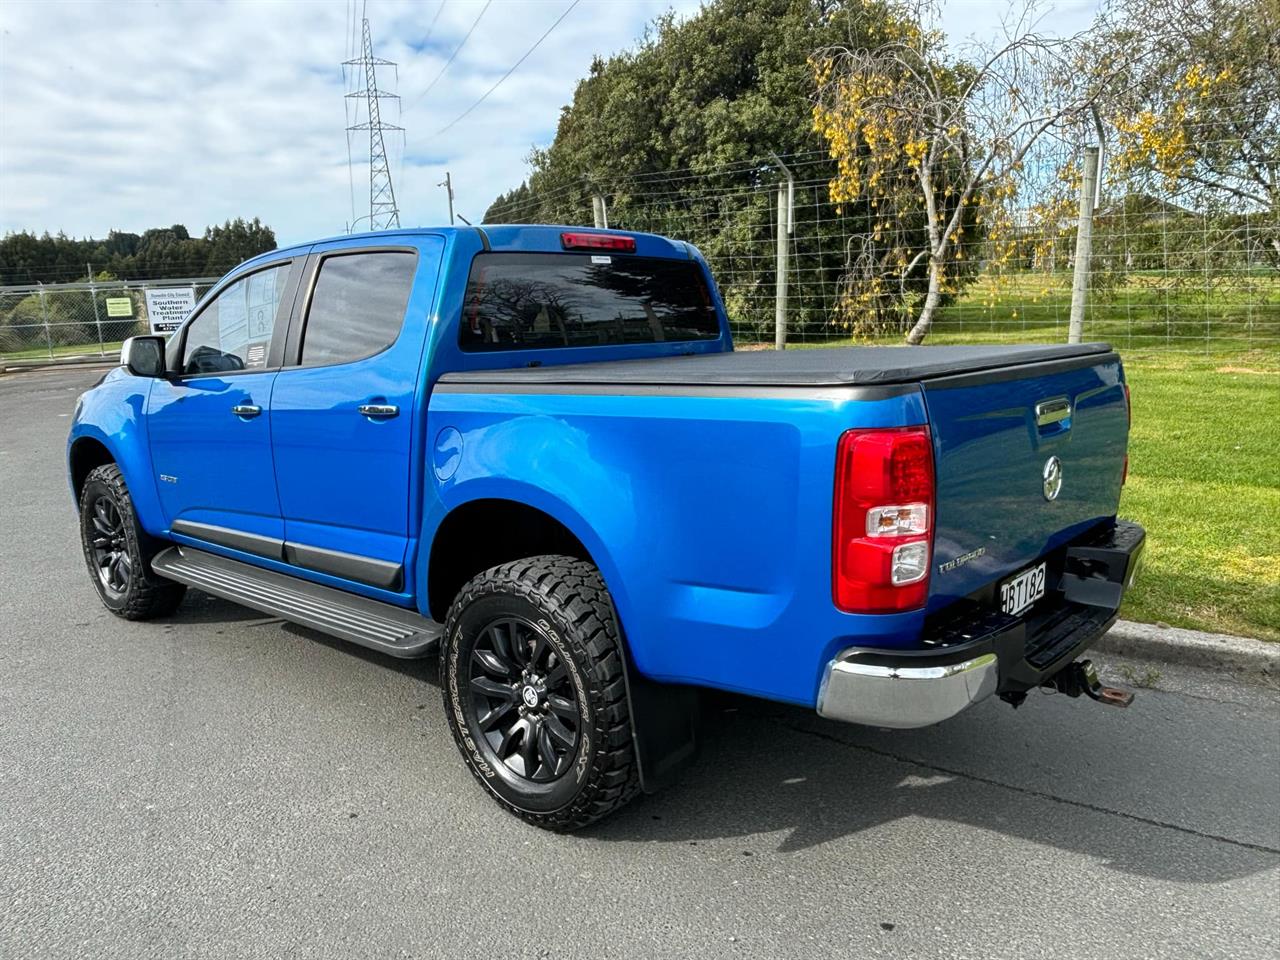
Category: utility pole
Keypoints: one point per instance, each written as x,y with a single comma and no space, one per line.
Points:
599,211
447,183
383,212
1084,244
786,226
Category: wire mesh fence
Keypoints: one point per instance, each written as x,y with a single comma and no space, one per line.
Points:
1175,265
45,321
1183,258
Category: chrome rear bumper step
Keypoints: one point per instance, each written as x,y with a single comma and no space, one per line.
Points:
370,623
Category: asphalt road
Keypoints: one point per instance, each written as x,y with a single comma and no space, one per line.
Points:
220,785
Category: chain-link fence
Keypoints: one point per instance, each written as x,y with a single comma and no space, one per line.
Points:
46,321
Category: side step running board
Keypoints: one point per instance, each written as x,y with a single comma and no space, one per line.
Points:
380,626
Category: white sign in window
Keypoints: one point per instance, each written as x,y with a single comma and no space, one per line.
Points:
167,307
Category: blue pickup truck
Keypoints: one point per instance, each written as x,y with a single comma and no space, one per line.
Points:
532,451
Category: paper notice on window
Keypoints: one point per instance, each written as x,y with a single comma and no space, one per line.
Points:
262,300
233,319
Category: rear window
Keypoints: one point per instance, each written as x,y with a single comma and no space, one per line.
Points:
531,301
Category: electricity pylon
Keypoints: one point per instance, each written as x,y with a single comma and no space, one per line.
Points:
383,212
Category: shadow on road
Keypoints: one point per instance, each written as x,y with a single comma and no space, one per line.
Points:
767,768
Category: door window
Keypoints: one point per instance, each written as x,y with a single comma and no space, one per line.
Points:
233,332
357,306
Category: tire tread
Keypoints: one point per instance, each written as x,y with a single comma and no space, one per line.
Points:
574,591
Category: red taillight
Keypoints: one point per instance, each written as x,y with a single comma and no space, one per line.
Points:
883,520
598,241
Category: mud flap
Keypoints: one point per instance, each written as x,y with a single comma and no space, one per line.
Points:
664,727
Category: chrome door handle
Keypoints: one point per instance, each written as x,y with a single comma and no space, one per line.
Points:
246,410
381,410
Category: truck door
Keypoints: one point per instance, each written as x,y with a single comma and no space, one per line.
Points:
342,414
209,422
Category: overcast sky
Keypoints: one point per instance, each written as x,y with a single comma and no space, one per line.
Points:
133,115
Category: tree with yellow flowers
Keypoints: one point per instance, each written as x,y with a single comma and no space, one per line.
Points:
935,147
1196,107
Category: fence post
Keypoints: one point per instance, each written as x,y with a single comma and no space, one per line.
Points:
44,313
97,320
786,225
1084,244
780,306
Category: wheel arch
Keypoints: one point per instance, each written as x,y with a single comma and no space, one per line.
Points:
86,454
664,716
486,531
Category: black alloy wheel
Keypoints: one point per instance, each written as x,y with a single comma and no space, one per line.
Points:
108,545
118,551
532,670
524,703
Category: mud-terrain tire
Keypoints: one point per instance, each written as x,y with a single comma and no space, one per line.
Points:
534,692
118,552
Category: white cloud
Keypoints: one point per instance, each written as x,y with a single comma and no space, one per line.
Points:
134,115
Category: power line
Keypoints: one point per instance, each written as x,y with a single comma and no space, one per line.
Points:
456,49
432,29
537,43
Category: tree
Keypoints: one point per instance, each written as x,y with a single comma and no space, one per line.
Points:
935,148
159,253
677,135
1196,106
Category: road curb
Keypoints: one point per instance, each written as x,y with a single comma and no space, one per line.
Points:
1148,641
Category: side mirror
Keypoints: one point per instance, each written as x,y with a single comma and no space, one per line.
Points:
143,356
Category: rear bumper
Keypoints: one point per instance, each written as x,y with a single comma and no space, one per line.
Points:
973,651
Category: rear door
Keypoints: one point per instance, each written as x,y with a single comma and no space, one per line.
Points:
342,413
1026,459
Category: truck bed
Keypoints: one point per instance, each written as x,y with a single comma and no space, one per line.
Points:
838,366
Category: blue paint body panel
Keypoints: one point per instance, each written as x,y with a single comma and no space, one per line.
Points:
210,465
990,458
114,414
710,517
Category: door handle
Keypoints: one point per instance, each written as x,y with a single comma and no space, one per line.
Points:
379,410
246,410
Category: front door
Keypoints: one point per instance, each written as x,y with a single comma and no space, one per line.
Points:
210,423
342,417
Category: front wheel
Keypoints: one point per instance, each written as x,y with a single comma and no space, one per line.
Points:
118,552
534,691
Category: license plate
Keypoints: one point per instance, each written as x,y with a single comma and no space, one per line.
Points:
1020,592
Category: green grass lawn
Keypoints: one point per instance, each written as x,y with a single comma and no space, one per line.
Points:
112,351
1204,480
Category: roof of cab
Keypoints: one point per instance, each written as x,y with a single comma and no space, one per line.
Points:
514,237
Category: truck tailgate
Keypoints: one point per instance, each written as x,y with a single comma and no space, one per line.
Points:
996,435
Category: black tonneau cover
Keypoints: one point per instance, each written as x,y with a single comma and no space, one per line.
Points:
837,366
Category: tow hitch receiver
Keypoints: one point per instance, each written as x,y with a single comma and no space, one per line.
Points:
1082,677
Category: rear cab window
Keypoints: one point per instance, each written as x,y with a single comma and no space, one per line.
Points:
535,301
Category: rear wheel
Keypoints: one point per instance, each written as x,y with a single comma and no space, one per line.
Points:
118,552
534,691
